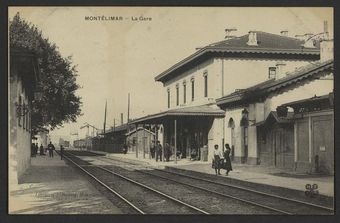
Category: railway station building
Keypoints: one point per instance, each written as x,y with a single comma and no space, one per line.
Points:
23,79
192,121
285,121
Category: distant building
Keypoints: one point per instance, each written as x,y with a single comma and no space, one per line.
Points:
112,141
140,140
192,86
43,137
24,75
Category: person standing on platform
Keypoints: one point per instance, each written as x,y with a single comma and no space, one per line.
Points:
50,148
41,150
226,156
32,150
61,152
36,148
158,151
217,158
167,152
152,149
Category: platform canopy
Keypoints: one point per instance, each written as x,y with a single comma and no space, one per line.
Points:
196,111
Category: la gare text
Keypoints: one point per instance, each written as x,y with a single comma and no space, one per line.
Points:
117,18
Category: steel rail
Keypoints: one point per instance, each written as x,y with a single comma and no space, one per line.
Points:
215,192
107,187
154,190
218,193
237,187
251,190
149,188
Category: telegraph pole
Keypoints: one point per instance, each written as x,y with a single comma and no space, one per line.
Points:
105,117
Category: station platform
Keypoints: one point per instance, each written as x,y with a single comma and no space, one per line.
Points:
50,186
250,173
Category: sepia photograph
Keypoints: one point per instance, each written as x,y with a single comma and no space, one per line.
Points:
122,110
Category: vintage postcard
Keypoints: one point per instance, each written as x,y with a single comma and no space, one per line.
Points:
171,110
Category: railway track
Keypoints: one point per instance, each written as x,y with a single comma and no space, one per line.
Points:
141,198
272,202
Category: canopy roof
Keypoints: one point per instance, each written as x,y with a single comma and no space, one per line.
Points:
196,111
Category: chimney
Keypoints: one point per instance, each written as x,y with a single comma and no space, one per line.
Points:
228,33
325,30
280,71
252,39
326,50
284,33
121,118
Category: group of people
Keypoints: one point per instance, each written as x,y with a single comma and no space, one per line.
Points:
157,151
221,160
50,148
35,148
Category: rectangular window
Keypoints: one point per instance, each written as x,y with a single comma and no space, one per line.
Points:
205,85
272,72
184,93
168,98
177,95
192,90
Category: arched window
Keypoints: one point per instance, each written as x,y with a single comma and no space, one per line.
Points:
231,123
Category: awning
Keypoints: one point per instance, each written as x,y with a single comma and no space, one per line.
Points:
274,117
196,111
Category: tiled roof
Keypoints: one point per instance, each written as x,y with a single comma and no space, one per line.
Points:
300,75
203,110
267,44
119,128
281,120
308,100
139,129
265,41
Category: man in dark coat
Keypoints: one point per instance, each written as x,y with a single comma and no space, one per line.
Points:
36,149
50,148
61,152
152,149
226,155
41,150
167,152
33,150
158,151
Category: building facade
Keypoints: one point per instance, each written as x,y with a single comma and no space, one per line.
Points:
23,78
140,140
254,126
192,120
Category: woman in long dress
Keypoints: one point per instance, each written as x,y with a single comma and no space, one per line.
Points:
226,156
218,156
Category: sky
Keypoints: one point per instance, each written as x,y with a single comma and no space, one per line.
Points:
117,57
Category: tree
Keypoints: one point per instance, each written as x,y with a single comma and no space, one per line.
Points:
59,103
